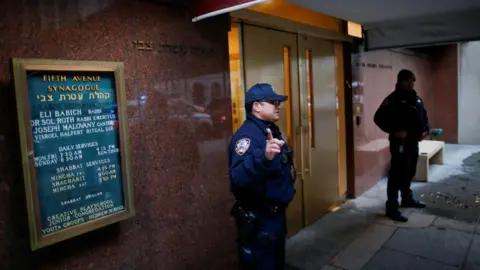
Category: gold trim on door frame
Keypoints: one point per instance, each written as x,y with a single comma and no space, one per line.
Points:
342,133
237,88
287,70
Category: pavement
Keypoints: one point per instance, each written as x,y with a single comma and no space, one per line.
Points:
445,235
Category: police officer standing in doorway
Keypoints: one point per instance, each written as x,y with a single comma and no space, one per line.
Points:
262,181
403,116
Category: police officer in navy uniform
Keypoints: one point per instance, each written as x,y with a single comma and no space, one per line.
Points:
403,116
262,181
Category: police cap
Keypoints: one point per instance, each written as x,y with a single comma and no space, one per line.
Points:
263,91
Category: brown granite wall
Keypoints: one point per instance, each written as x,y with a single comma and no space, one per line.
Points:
181,178
445,85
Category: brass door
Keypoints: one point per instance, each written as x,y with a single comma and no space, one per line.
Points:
304,69
270,56
318,106
236,76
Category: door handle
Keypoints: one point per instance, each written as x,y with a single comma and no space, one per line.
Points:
348,84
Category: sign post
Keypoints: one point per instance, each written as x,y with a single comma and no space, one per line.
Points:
74,146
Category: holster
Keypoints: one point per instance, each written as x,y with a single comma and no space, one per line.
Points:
247,223
289,160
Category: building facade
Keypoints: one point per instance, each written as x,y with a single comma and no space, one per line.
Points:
185,82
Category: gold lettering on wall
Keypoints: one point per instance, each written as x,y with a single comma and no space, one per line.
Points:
175,49
142,45
372,65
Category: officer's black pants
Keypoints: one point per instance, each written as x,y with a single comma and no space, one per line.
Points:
267,249
403,167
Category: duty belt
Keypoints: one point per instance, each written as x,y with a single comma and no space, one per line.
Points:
267,207
275,208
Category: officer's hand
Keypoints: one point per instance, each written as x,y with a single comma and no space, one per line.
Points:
274,146
424,136
401,134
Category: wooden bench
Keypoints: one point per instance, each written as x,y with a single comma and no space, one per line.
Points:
430,152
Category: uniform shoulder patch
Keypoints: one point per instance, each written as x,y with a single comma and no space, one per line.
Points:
242,145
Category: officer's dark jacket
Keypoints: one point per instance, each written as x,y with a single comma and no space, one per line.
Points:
252,175
402,110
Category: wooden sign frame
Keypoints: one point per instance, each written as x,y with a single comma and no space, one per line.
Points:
20,67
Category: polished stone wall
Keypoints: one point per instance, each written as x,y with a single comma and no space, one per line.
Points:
445,72
178,151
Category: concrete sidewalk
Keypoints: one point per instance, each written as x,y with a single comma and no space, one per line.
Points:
445,235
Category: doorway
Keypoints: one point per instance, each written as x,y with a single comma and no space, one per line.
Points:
303,68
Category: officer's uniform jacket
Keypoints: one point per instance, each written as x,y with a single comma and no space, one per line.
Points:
252,175
403,110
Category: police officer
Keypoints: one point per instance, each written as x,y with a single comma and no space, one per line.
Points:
403,116
262,181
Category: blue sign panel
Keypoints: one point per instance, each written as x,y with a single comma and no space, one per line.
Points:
76,147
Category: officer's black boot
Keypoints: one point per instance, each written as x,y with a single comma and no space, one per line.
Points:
412,203
393,213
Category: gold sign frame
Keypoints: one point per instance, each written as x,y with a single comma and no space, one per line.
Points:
20,67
